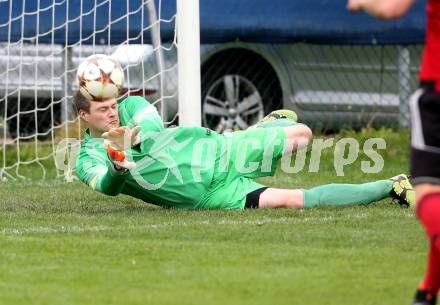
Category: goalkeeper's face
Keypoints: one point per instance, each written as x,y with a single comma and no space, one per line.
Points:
102,116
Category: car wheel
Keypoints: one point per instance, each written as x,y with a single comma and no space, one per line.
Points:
232,102
234,97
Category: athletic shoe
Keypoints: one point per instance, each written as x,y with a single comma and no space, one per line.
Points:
424,297
278,118
403,191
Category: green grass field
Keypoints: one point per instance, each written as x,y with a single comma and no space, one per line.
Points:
62,243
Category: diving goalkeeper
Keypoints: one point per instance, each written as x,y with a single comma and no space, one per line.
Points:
127,150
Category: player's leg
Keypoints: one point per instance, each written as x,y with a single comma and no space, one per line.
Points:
276,198
428,211
334,194
277,118
297,135
425,161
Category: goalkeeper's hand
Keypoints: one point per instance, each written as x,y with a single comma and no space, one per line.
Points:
122,138
116,141
118,159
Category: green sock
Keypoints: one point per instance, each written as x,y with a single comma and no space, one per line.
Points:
346,194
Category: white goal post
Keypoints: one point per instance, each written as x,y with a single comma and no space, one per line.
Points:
188,35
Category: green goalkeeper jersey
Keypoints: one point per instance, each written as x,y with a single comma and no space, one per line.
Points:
175,166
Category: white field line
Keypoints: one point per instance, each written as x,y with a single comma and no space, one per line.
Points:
262,221
60,229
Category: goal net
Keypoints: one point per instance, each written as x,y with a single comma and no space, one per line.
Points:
41,45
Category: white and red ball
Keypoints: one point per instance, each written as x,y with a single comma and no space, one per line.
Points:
100,78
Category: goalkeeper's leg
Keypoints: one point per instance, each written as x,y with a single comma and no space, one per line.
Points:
333,195
277,118
297,135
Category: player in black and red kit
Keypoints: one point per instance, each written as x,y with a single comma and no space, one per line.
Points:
425,134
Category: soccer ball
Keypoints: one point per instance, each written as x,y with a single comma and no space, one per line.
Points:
100,78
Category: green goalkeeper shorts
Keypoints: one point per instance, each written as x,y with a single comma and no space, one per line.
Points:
241,157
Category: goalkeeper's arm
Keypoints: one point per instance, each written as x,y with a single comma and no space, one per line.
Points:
98,172
143,114
106,172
